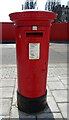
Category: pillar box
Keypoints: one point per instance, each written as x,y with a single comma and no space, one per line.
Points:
32,46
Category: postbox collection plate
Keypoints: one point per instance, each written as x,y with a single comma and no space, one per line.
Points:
34,51
34,28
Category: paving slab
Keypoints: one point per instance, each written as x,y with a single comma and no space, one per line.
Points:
52,116
67,80
52,105
63,78
9,72
15,113
14,102
60,95
64,81
53,79
6,92
4,118
63,108
7,83
68,111
48,91
67,87
56,86
5,105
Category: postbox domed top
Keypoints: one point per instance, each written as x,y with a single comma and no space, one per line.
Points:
36,15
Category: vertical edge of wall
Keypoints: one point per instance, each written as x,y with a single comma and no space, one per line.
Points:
0,32
8,32
59,32
68,32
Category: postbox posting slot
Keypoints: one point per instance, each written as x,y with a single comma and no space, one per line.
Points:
34,34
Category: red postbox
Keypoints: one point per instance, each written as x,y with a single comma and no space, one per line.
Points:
32,45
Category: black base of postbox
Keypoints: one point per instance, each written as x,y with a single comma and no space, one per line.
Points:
31,105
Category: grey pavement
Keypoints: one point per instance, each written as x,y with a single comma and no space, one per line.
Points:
57,85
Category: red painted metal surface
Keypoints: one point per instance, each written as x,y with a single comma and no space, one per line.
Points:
59,32
68,32
0,31
32,74
8,31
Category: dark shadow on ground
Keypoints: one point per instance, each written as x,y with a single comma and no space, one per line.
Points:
44,115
